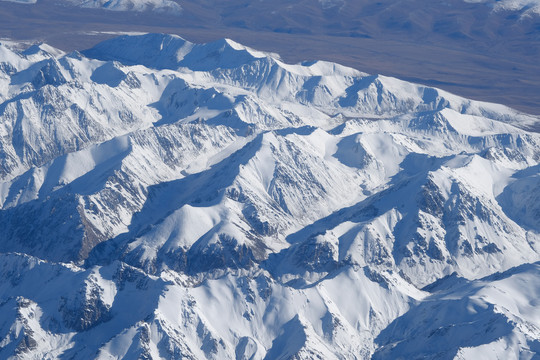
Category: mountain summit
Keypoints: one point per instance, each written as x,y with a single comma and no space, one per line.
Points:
164,199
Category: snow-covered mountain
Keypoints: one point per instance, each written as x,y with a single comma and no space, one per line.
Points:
159,6
164,199
526,7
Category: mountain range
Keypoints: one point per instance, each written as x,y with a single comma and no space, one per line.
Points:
166,199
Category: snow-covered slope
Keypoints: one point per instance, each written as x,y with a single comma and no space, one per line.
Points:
169,6
494,317
211,201
525,7
159,6
22,1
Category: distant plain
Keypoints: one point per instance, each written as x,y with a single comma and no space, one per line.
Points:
460,47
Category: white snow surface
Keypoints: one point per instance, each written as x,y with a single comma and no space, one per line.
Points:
22,1
159,6
526,7
163,199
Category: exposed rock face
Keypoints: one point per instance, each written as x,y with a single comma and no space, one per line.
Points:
85,308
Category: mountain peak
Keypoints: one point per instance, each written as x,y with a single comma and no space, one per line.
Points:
163,51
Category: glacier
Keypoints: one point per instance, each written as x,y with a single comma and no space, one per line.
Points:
165,199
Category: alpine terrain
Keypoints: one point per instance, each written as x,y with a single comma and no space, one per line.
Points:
161,199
